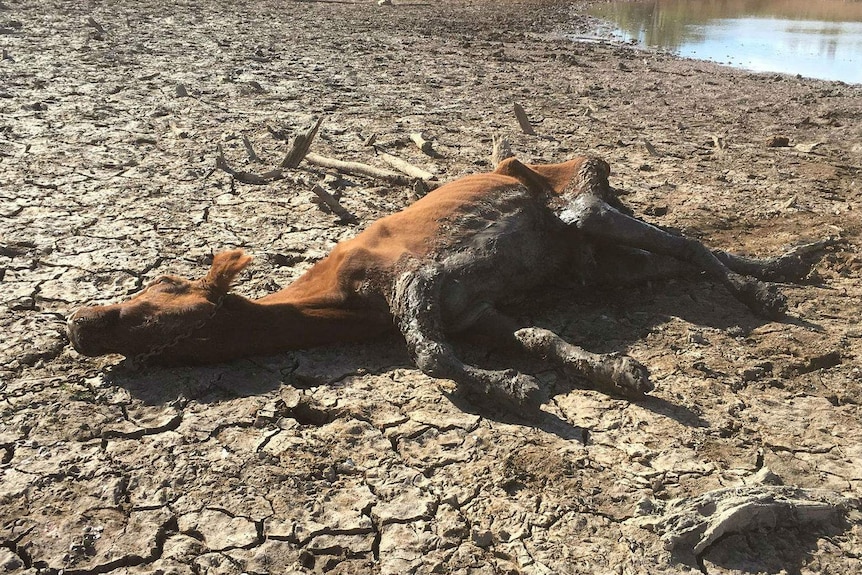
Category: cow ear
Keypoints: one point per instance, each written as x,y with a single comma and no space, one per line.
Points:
225,267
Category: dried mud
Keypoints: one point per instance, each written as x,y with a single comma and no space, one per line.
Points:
349,460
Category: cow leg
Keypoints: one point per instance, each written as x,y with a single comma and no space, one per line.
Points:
416,308
617,265
613,374
595,218
792,265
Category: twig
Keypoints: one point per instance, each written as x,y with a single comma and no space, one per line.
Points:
92,22
423,143
250,149
523,120
651,149
333,204
273,175
280,135
358,169
406,167
300,146
247,177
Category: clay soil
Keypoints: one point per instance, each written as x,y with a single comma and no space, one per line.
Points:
349,460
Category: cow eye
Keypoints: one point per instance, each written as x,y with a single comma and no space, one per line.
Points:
164,282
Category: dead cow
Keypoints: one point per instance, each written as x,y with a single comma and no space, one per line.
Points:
441,266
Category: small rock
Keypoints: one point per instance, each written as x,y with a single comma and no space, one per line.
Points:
264,417
755,372
482,538
765,476
817,362
808,148
656,210
778,142
9,561
697,339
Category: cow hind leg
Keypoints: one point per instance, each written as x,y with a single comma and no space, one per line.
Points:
618,265
416,307
613,374
595,218
793,265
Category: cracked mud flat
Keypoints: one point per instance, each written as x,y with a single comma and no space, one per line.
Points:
349,460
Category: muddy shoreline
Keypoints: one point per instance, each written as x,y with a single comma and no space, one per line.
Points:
349,460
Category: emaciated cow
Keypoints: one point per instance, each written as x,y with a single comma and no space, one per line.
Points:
443,265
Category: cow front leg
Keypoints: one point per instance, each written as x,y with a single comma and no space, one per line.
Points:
416,308
613,374
596,219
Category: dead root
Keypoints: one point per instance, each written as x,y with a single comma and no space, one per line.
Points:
299,152
694,524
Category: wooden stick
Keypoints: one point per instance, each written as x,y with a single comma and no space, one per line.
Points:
406,167
273,175
247,177
500,150
523,120
333,204
92,22
250,149
358,169
300,146
422,142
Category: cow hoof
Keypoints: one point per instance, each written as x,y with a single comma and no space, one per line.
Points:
514,391
523,390
630,378
764,299
798,262
511,390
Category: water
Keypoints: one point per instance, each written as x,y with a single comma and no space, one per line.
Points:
814,38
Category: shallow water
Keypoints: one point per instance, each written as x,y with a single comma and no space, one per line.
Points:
814,38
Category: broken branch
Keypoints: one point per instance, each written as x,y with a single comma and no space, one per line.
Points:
359,169
300,146
250,149
333,204
423,143
523,120
406,167
246,177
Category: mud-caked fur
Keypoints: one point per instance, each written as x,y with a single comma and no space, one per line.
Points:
446,265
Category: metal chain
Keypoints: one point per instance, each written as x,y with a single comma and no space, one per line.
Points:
34,386
41,384
140,360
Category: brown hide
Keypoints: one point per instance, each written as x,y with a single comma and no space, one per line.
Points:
341,298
